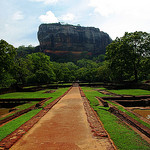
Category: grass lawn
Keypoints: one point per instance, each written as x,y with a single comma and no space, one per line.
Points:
134,92
37,94
122,135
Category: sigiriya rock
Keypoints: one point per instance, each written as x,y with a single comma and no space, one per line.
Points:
60,39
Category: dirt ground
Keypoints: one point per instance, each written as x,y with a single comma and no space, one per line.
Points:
64,127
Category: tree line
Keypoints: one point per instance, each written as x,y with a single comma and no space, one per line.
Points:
127,59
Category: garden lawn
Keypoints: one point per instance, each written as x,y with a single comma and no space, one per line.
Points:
37,94
122,135
134,92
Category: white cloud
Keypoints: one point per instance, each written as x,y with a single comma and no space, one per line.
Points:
120,16
109,7
46,1
49,17
67,17
18,15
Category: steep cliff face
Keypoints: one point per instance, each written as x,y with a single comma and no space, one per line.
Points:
56,38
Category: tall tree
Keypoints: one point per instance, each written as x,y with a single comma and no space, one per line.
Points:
23,51
41,67
7,56
127,55
21,71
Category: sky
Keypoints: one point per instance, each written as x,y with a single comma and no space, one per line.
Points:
20,19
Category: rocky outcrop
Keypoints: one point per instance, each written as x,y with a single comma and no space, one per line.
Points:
58,38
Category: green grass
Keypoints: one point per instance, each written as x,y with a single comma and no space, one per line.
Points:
37,94
25,106
14,124
102,88
91,93
123,136
134,92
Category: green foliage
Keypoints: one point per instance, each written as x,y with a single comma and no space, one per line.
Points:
40,67
99,58
65,71
21,71
87,63
6,80
7,56
128,56
103,72
88,70
23,51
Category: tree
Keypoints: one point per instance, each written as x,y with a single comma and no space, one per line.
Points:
87,63
127,55
81,74
7,57
103,72
41,68
23,51
58,71
21,71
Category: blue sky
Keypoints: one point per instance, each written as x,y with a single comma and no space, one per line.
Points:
20,19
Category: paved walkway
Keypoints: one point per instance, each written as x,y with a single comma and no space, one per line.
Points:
64,127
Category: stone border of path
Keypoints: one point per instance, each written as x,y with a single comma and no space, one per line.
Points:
12,138
96,125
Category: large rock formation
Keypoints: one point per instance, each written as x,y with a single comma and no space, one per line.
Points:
57,39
